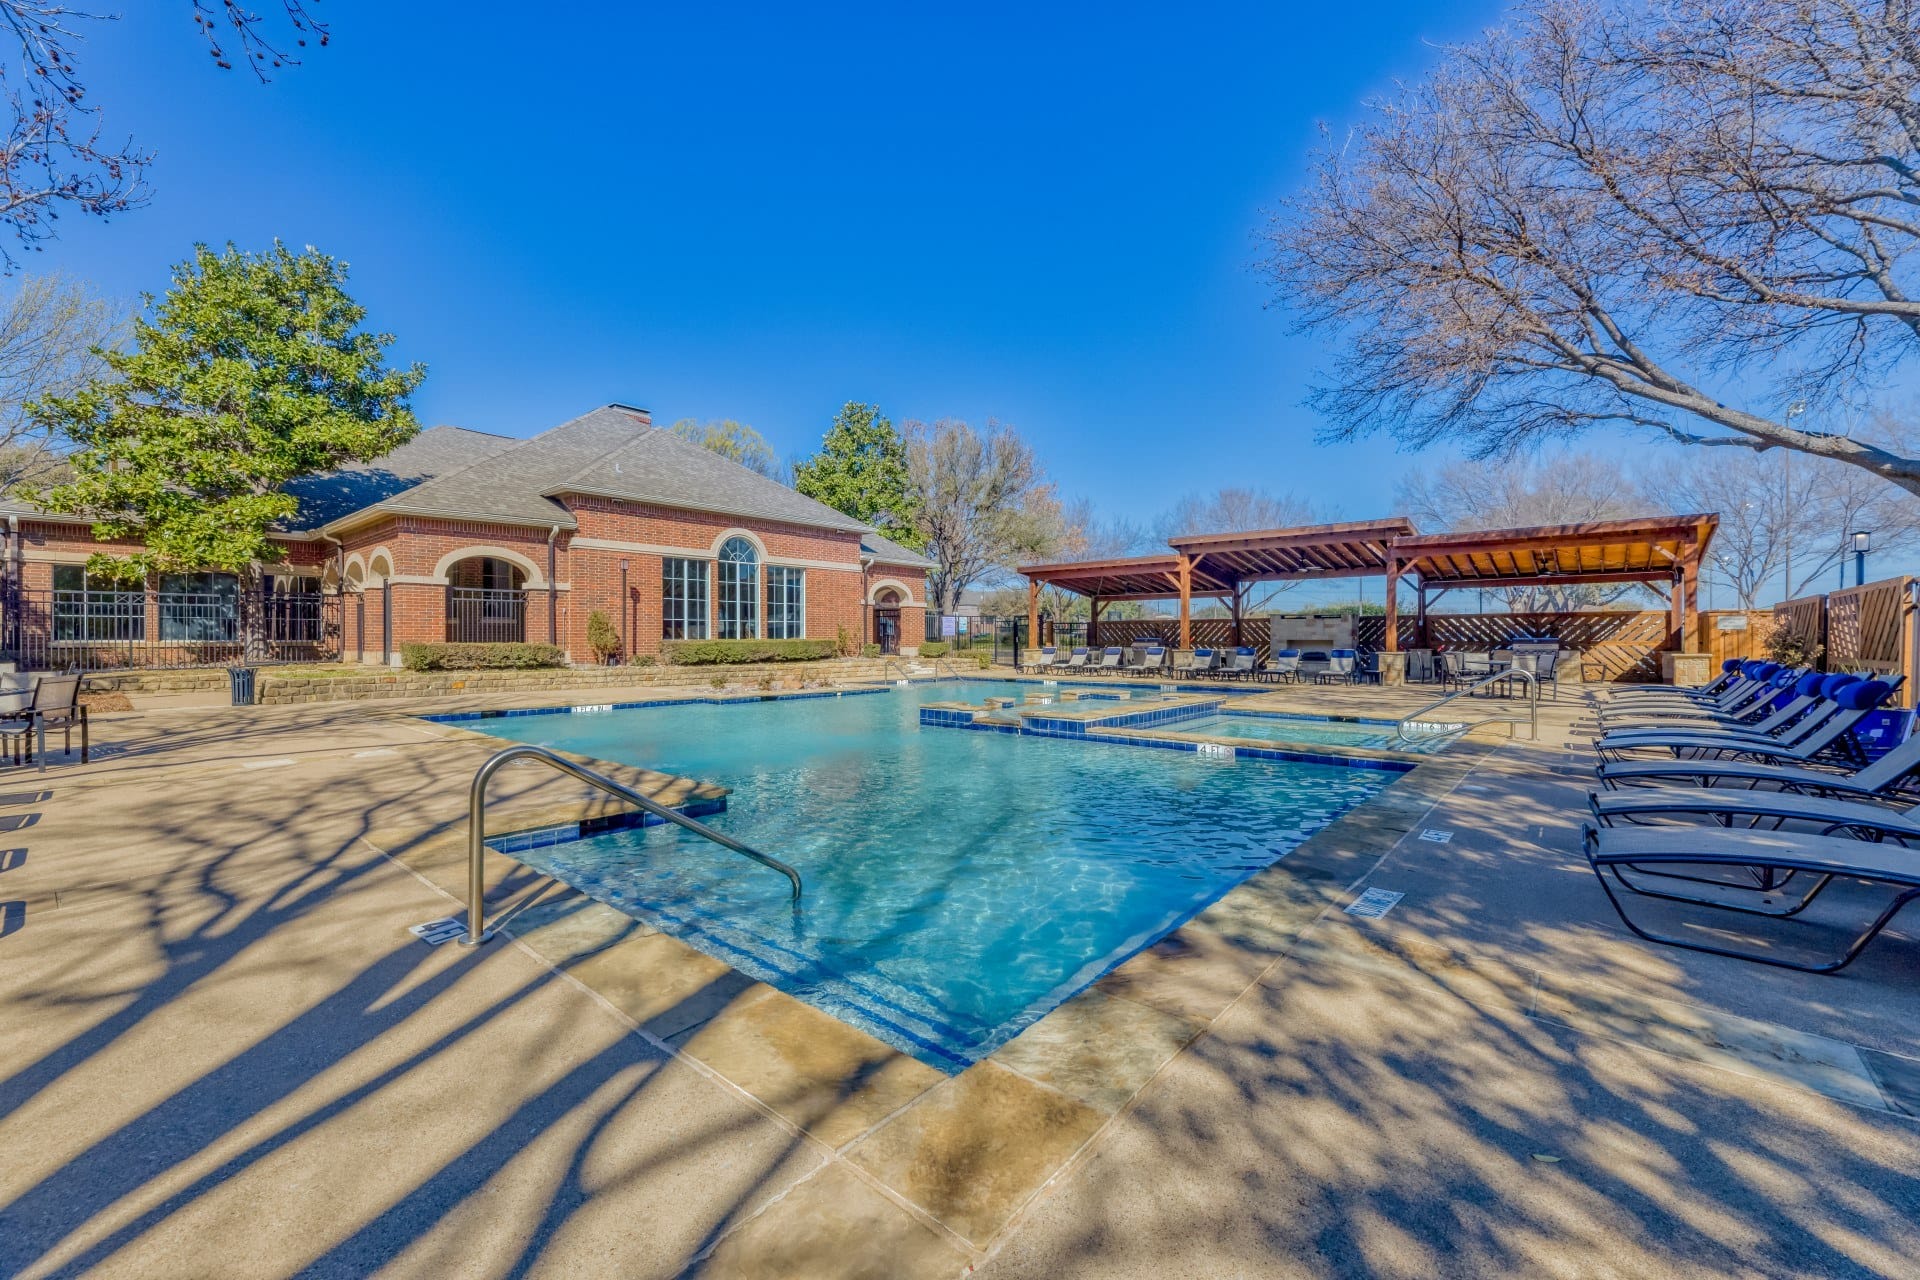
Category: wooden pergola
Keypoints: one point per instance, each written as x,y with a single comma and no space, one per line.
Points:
1649,549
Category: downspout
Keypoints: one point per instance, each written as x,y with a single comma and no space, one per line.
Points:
553,596
866,595
15,582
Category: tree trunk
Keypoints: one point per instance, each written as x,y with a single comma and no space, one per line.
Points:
253,617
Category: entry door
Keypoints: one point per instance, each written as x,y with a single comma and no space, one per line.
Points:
886,630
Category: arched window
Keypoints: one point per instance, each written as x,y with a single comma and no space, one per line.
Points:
739,590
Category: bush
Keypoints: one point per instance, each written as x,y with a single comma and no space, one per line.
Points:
869,650
642,660
480,657
706,653
935,649
601,637
843,642
984,659
1790,650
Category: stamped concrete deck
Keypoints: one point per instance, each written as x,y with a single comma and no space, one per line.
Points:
225,1055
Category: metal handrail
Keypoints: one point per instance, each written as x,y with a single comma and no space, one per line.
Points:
1511,673
477,826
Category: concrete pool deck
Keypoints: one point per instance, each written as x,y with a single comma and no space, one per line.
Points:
225,1055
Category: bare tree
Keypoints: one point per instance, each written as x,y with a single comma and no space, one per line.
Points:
1234,510
1787,524
1690,216
984,503
50,330
1558,488
1077,531
56,155
735,441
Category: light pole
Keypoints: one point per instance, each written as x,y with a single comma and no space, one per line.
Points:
1862,543
1786,478
626,614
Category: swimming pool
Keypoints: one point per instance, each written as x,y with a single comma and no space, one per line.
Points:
1269,727
958,885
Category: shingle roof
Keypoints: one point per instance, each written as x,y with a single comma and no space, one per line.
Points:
885,552
435,451
659,467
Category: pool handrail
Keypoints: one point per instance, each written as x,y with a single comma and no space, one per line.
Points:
477,826
1419,718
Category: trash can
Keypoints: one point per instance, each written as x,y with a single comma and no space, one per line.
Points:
242,681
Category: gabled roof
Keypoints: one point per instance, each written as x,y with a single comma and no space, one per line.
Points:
882,551
610,452
435,451
659,467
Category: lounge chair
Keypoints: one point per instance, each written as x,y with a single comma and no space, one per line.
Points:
1803,695
1340,664
1881,779
1111,658
1768,862
1153,661
1047,657
1076,660
1730,808
1242,664
1734,671
1284,665
1749,700
1205,662
1819,731
1183,663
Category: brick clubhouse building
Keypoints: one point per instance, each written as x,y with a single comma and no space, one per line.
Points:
462,536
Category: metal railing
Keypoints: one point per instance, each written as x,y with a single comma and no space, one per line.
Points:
1428,728
106,630
477,615
477,827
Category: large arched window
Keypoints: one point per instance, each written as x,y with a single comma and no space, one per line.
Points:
739,590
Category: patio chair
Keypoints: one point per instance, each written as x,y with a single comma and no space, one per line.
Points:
1367,671
1110,658
1205,662
1076,660
1453,669
1183,663
1543,666
53,704
1284,665
1749,700
1767,863
1046,658
1313,665
1734,671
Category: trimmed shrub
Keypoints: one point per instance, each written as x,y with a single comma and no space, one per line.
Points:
601,636
869,650
480,657
935,649
706,653
984,659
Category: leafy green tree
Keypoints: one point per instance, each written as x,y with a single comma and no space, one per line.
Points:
251,371
861,469
735,441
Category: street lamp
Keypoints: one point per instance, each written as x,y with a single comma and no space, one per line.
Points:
626,613
1862,543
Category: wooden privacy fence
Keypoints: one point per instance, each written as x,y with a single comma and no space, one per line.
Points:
1869,629
1613,644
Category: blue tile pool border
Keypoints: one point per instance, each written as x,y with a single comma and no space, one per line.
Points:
600,708
568,832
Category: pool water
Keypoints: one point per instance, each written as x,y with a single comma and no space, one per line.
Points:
958,884
1282,728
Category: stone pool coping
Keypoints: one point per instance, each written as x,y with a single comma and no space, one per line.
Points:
966,1153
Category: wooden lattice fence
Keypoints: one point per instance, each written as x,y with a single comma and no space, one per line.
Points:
1804,619
1870,628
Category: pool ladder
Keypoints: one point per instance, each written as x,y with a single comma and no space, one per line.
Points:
1419,718
477,827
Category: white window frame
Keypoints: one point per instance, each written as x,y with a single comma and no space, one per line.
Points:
792,627
693,572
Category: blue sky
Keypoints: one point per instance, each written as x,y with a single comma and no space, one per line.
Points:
1042,214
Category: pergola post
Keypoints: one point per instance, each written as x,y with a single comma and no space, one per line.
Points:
1393,606
1033,613
1420,620
1093,622
1234,604
1676,621
1186,602
1690,637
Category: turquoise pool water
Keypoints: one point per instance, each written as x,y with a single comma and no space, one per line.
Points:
1280,728
958,884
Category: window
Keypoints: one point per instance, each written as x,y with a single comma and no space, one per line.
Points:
199,607
683,613
89,607
739,590
786,603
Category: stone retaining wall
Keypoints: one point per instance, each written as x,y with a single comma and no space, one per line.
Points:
377,683
188,680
